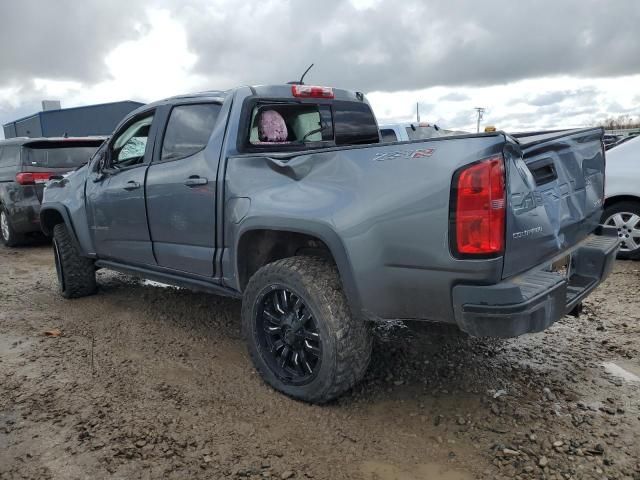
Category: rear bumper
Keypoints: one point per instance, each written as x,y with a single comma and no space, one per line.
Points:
533,301
22,203
25,216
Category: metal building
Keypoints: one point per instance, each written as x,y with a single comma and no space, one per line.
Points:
84,121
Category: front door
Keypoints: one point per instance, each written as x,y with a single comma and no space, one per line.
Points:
116,197
181,189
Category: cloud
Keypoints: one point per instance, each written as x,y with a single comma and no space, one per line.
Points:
559,96
564,102
515,58
368,45
548,98
65,39
134,70
454,97
422,44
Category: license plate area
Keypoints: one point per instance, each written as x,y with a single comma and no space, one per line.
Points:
562,266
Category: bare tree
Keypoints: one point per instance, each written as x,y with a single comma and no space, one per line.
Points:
620,122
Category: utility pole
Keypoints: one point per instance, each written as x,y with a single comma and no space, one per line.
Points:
480,111
418,112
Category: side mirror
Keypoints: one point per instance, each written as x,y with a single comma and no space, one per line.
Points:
102,161
100,167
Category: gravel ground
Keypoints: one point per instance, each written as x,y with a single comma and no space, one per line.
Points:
153,382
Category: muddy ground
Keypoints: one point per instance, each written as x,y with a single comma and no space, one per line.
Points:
153,382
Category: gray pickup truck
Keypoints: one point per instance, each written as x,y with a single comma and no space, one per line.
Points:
285,197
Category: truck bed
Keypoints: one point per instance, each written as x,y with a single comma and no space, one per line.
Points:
388,207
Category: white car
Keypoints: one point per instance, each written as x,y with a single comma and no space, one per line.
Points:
403,132
622,196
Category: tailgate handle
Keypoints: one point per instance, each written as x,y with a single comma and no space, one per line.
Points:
543,171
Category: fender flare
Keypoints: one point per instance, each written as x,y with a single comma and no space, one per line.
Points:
320,230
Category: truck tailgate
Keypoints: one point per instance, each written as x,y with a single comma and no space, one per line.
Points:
555,185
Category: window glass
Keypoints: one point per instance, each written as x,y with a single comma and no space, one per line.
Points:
9,156
354,123
388,135
188,130
59,156
283,124
129,147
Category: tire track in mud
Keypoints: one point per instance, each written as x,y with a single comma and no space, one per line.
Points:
151,382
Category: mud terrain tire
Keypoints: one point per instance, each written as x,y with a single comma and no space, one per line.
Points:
345,340
76,274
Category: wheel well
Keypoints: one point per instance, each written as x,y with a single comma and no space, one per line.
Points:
260,247
49,219
621,198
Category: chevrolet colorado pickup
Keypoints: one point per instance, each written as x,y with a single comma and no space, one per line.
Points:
285,197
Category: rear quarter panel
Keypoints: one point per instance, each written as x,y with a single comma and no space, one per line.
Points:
387,206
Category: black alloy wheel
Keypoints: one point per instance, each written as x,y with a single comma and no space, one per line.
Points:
288,335
300,332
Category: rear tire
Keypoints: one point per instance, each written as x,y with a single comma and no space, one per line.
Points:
625,216
76,274
341,343
8,235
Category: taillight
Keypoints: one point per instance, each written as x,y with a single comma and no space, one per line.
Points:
479,211
31,178
308,91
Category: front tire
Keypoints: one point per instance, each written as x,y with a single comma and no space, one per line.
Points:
8,235
625,216
299,330
76,274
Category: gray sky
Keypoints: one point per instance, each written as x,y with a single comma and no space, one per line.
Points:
544,63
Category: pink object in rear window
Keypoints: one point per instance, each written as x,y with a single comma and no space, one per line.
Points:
271,127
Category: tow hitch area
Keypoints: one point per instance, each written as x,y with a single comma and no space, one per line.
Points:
533,301
577,310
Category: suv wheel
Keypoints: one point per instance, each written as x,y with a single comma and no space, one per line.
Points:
625,216
76,274
8,235
300,333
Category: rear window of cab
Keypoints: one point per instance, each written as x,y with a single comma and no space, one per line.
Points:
290,125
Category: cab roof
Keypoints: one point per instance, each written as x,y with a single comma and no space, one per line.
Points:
276,91
20,141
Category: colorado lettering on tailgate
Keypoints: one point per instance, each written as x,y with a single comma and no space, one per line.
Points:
525,202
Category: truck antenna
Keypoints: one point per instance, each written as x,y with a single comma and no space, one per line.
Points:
301,81
305,74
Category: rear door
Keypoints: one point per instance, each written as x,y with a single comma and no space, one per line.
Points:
556,193
115,193
181,189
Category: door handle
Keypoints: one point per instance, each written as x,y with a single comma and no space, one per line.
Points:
131,185
194,181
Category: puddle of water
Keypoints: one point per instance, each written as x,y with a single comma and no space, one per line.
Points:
628,372
426,471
